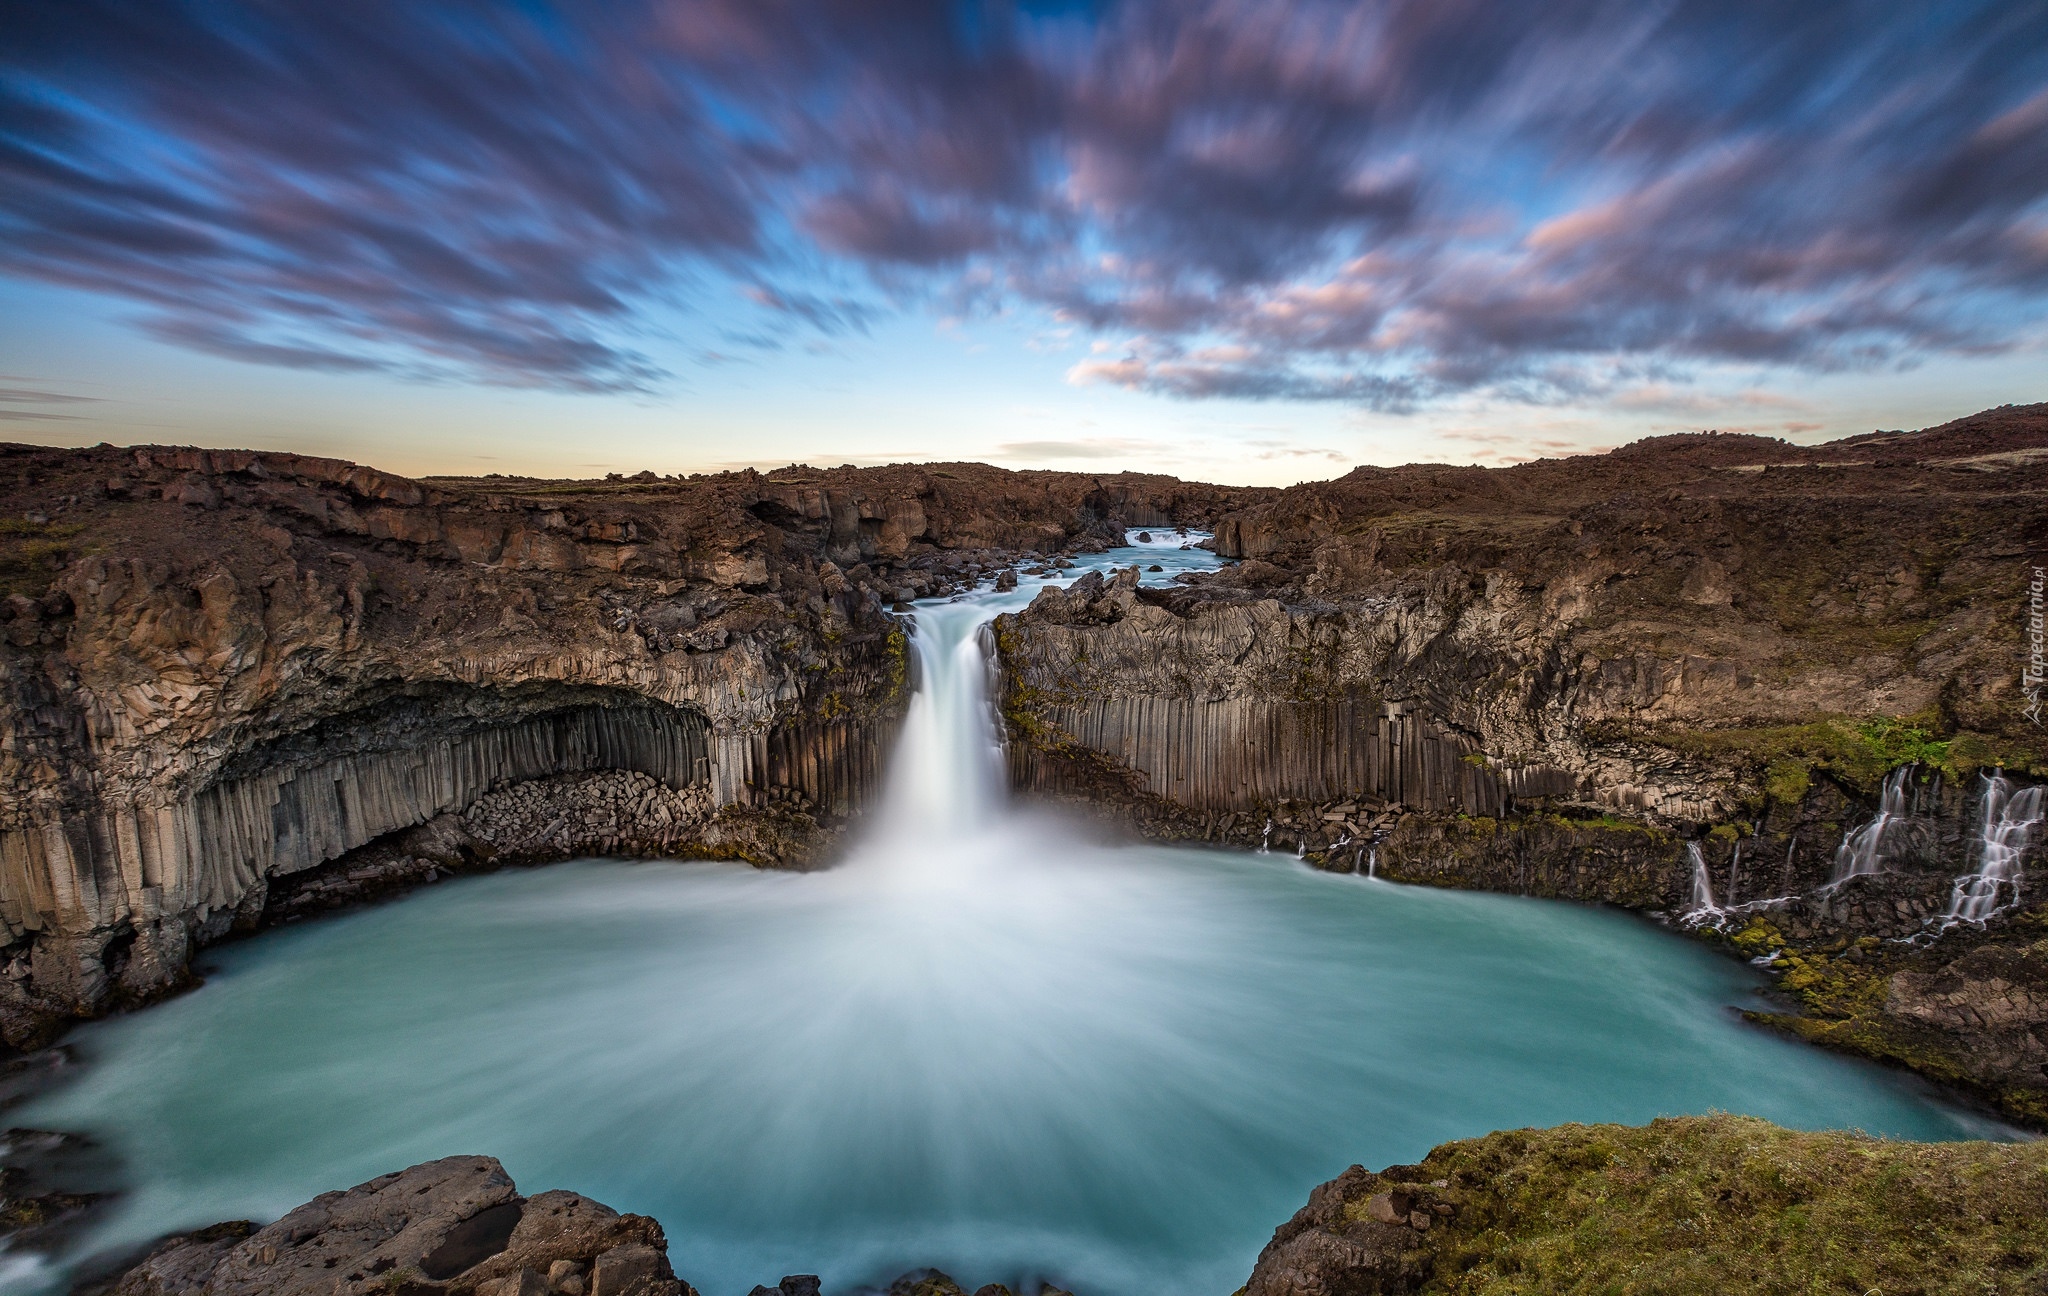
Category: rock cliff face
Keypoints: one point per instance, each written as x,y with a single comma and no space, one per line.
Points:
228,674
1694,662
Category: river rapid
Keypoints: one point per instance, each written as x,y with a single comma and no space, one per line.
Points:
983,1041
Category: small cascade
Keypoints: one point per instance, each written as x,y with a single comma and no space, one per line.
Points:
1301,850
1372,862
1266,839
1734,872
2006,821
1358,860
1862,852
1701,906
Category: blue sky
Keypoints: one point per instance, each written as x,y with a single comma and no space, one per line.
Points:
1242,241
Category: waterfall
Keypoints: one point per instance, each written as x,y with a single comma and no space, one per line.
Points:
946,779
1372,861
1266,838
2005,828
1734,871
1862,852
1701,906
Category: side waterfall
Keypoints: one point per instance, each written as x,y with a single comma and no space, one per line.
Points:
1701,906
2005,828
1862,852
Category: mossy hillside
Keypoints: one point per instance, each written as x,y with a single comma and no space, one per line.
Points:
1729,1204
1783,761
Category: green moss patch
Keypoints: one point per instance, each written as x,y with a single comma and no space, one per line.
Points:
1856,752
1732,1204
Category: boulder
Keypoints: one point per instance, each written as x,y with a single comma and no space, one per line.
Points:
455,1226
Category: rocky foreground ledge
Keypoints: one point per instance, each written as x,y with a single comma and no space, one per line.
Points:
1687,1205
456,1226
1690,1205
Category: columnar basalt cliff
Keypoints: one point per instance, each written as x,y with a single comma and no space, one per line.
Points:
1675,677
234,683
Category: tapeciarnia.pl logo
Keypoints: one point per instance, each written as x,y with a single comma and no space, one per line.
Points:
2036,670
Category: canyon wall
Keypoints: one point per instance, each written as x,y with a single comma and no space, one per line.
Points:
239,687
1691,663
236,686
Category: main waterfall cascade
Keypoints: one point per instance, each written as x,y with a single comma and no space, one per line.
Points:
982,1042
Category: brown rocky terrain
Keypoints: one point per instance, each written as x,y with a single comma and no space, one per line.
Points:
242,688
239,687
1567,677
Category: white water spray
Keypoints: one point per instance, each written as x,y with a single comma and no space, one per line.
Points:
1862,852
2006,820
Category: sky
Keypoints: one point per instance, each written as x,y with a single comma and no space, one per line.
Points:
1236,240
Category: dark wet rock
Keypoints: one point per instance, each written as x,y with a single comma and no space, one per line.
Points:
791,1285
1326,1251
41,1200
456,1226
934,1282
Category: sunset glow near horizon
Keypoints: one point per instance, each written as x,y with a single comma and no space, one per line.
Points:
1237,241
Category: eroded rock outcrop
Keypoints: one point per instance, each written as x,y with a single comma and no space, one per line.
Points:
455,1226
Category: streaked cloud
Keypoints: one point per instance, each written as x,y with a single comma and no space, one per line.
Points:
1391,204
